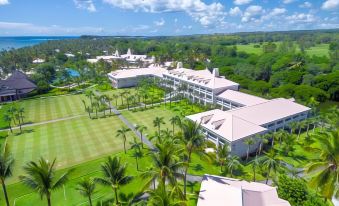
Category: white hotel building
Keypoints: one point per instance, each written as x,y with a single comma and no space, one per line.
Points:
240,116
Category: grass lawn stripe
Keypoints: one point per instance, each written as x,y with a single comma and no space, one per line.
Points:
95,141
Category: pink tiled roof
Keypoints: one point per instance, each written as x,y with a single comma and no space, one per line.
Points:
126,73
241,98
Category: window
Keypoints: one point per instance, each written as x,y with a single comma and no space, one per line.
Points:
271,125
288,119
296,116
280,122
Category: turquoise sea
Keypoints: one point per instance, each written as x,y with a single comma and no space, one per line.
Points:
23,41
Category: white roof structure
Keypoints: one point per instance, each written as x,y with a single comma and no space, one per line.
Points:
241,98
246,121
269,111
129,73
226,125
38,61
222,191
202,77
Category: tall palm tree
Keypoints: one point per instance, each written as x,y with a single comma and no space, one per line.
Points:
162,197
263,139
137,151
249,142
86,187
41,177
271,162
166,163
114,175
193,140
223,153
255,163
174,121
141,128
122,132
232,164
115,97
157,122
293,126
90,94
6,168
8,119
325,170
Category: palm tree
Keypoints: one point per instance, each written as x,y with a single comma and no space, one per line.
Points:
293,126
271,162
263,140
193,140
174,121
137,150
255,163
114,175
157,122
249,142
223,153
325,170
90,94
86,187
122,133
115,97
6,168
141,128
161,196
8,119
233,163
41,178
166,163
301,126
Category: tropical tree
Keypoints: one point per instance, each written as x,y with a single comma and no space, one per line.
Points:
8,119
263,139
162,197
115,97
114,175
174,121
41,177
86,187
255,163
271,162
141,128
249,142
232,164
136,146
193,140
122,132
6,168
90,95
223,152
324,171
157,122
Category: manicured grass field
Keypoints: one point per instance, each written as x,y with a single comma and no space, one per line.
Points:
49,108
318,50
70,141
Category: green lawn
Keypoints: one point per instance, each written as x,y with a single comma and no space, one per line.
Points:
70,141
318,50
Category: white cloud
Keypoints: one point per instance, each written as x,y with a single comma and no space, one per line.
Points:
330,4
301,18
205,14
306,4
161,22
241,2
85,4
252,13
235,11
31,29
4,2
274,13
288,1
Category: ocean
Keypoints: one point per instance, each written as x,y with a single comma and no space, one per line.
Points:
7,43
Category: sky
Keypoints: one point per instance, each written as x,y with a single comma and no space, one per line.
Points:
162,17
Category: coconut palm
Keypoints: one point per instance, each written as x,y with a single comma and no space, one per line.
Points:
222,153
114,175
232,164
136,146
157,122
324,171
41,177
293,126
90,94
193,140
249,142
122,132
166,163
174,121
8,119
86,187
6,168
255,163
141,128
161,196
271,162
301,125
115,97
263,139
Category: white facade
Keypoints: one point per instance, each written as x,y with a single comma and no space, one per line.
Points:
236,125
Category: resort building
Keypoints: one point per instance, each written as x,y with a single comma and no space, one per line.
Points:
236,125
130,77
15,87
221,191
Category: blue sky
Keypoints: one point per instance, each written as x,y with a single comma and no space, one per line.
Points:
163,17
